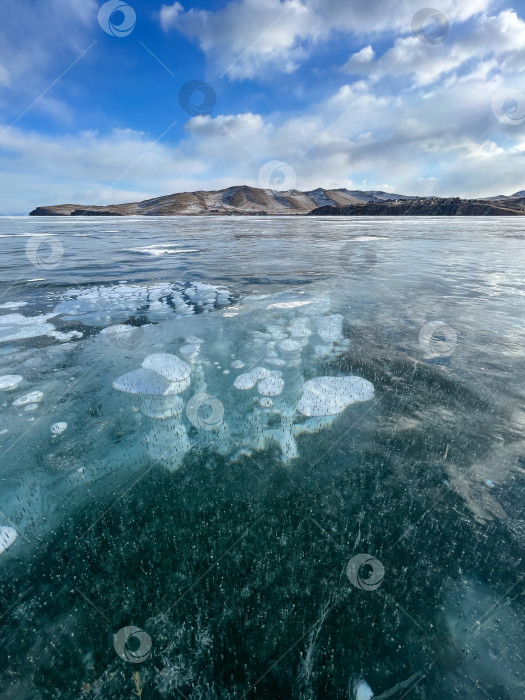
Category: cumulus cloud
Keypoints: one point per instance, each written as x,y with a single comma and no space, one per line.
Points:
501,38
249,38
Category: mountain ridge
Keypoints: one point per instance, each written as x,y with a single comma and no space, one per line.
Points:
244,200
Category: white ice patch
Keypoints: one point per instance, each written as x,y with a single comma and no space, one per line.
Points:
249,379
10,381
157,250
271,386
143,382
266,402
7,536
328,396
13,305
105,305
66,337
169,366
18,327
330,328
34,397
288,304
362,691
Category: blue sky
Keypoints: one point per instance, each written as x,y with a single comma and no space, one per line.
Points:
333,93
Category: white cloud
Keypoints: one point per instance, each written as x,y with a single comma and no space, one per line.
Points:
501,37
366,55
249,38
33,33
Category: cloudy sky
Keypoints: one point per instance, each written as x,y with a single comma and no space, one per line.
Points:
115,102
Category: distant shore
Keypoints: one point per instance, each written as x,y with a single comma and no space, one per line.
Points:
251,201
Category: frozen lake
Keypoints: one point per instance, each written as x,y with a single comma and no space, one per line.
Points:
262,457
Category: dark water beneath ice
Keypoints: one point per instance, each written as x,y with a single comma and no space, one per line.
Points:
235,565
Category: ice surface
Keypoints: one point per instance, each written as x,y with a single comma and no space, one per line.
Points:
428,478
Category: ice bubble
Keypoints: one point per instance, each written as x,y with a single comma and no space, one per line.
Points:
189,350
327,396
362,691
316,306
250,379
65,337
113,304
58,428
145,382
277,333
7,536
263,373
32,397
237,364
266,402
271,386
290,346
245,381
323,350
276,362
330,328
10,381
300,328
17,327
31,407
171,368
288,304
194,340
